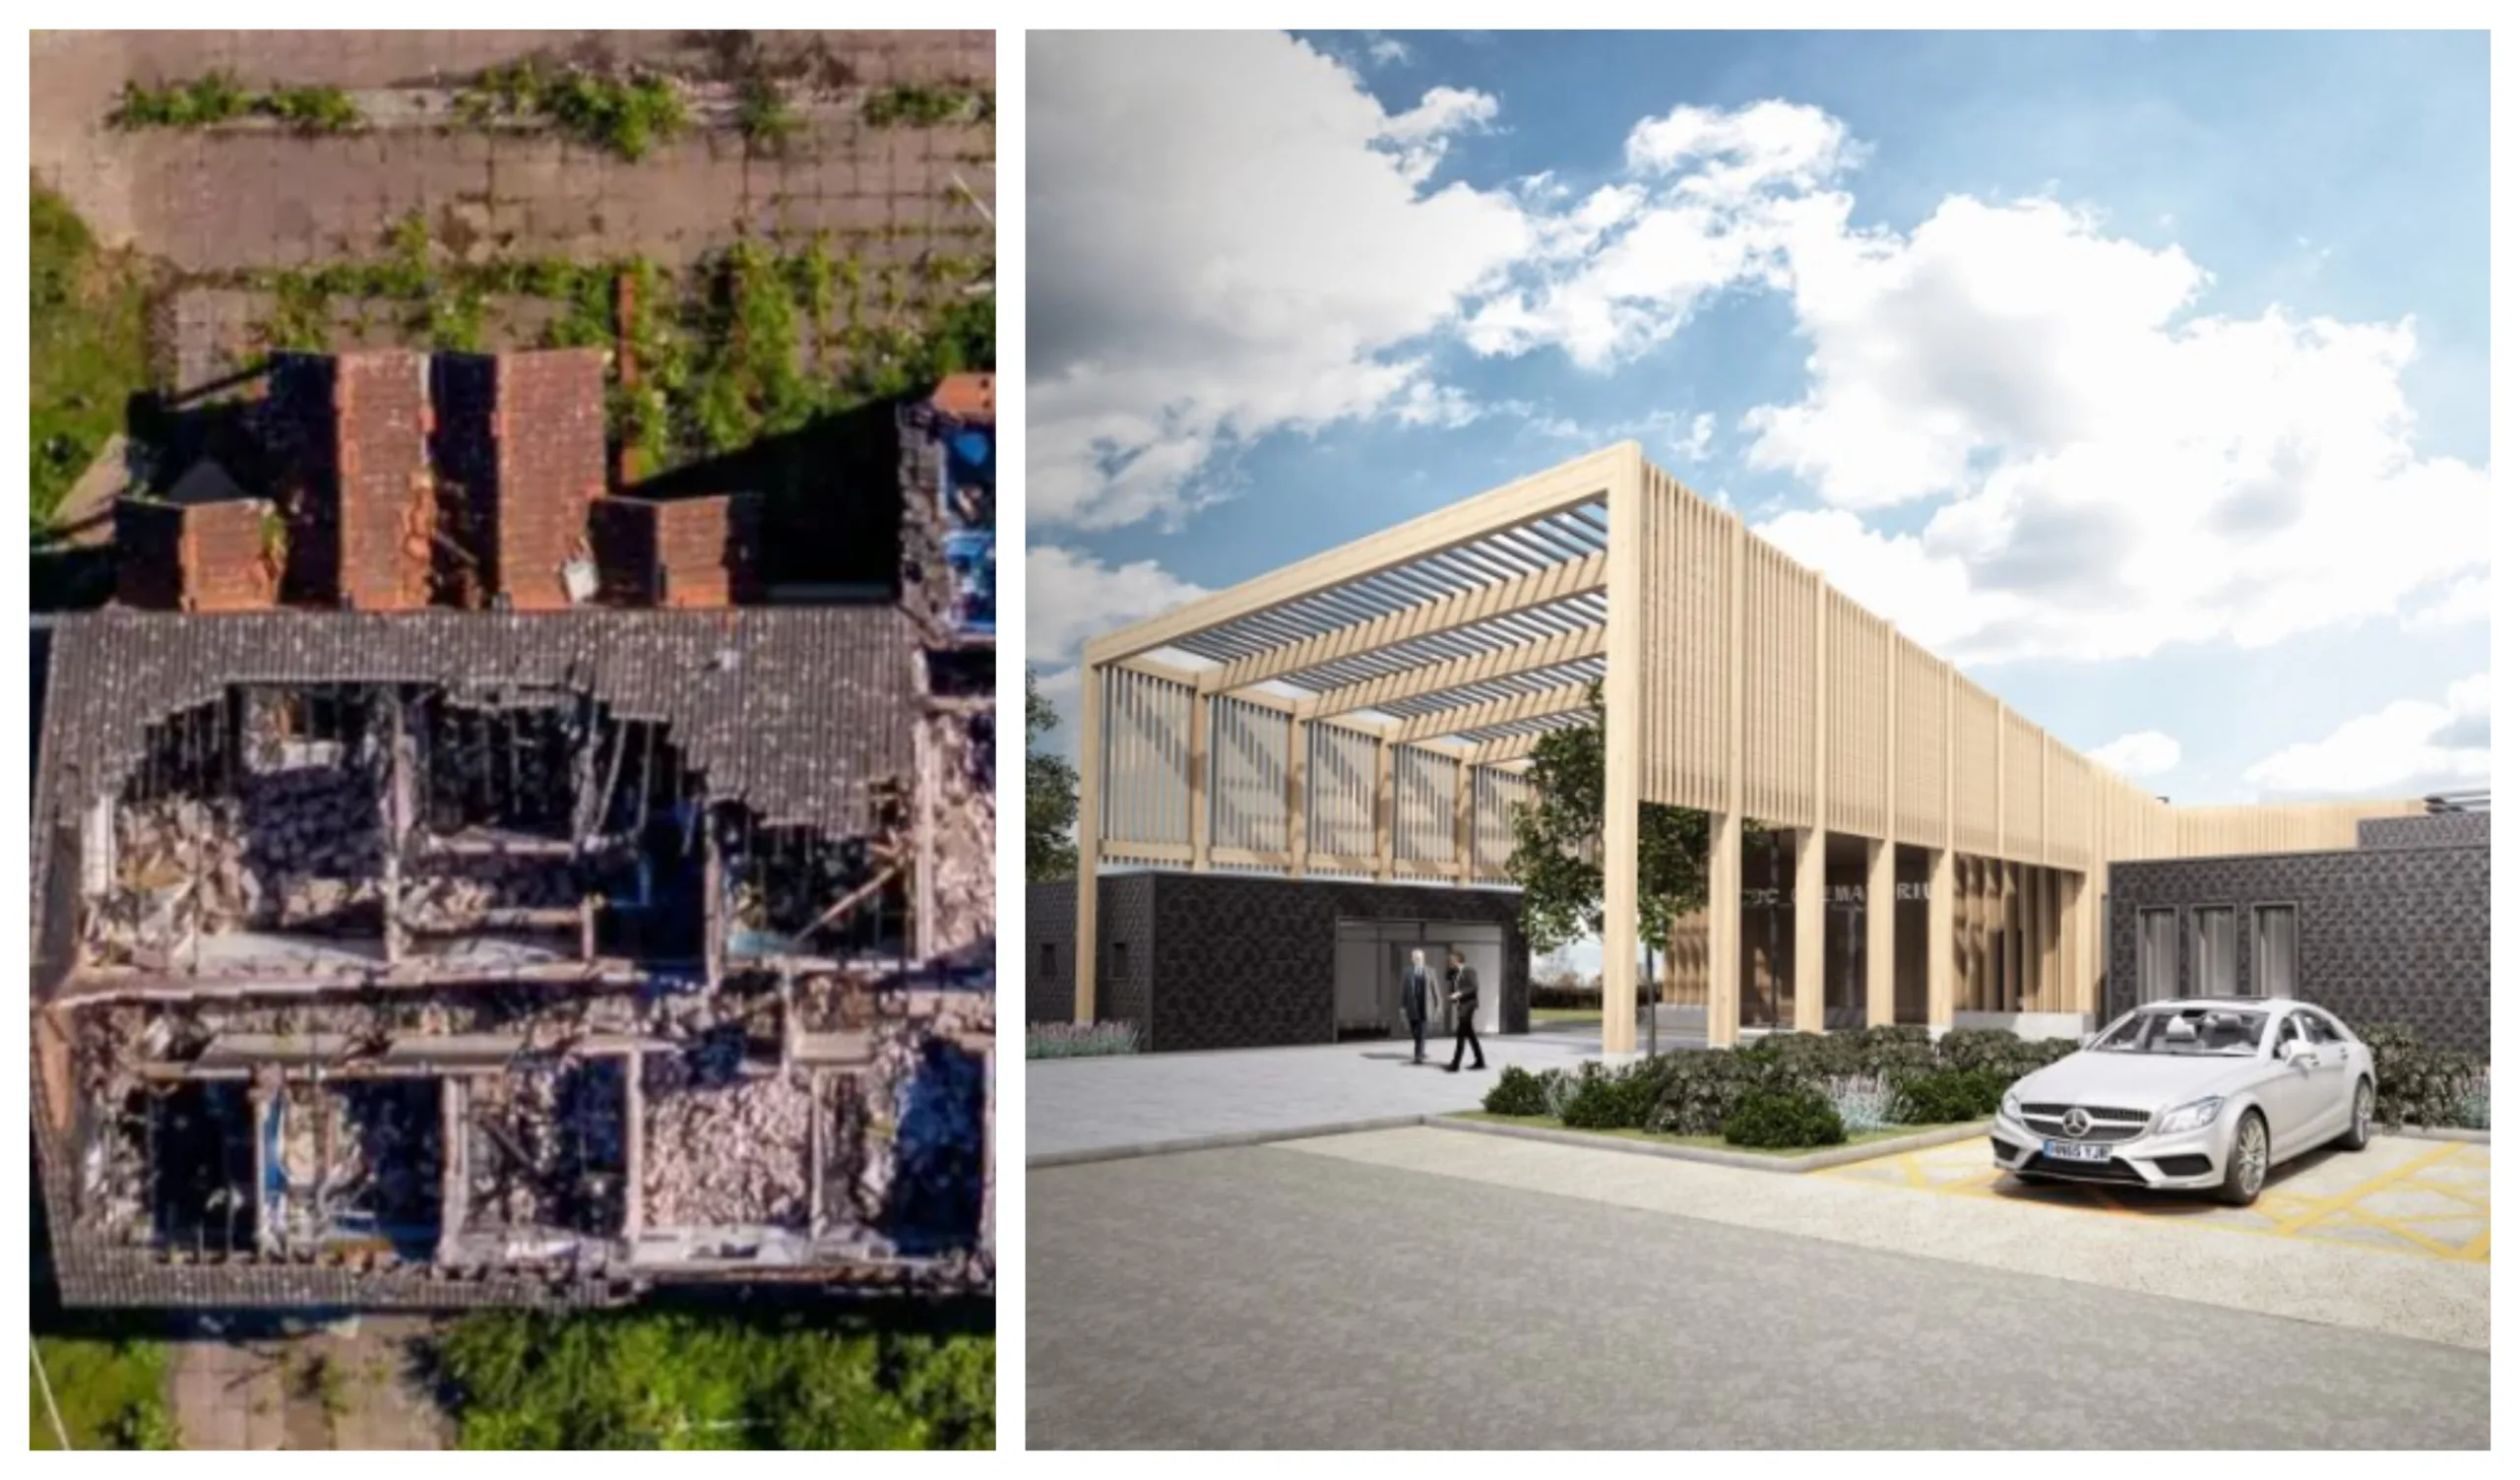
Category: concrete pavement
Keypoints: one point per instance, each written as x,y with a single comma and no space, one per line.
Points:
1075,1107
2331,1283
1275,1297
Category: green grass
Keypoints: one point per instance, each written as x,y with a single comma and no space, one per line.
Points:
626,115
89,331
216,98
1701,1142
687,1380
112,1395
1566,1014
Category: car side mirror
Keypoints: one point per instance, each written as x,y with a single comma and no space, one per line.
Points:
2293,1048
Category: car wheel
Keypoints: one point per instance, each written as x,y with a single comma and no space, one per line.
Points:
2358,1134
2244,1169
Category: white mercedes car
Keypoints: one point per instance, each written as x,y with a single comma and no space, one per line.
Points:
2197,1094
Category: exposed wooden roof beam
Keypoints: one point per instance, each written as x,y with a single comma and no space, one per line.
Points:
1564,699
1558,583
1458,672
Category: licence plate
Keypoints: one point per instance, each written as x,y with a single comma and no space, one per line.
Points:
2076,1151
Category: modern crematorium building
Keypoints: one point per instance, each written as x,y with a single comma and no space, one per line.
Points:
1287,785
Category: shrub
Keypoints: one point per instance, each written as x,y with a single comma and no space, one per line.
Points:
1784,1119
1997,1049
1518,1091
2417,1084
1805,1058
1079,1040
1557,1087
1700,1089
1607,1099
1865,1103
1894,1050
1941,1096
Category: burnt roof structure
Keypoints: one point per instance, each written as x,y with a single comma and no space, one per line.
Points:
434,958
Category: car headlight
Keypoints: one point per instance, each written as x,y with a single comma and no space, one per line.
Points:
2193,1116
2012,1105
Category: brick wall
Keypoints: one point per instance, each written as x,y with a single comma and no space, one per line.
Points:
2386,935
549,430
2433,830
678,553
519,452
388,498
349,441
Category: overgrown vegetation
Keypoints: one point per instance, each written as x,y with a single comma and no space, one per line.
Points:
218,96
765,116
89,333
112,1395
682,1380
1049,795
927,106
754,341
629,115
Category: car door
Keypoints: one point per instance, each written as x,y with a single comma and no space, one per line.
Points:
2288,1092
2331,1101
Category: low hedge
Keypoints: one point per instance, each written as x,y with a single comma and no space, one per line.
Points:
1941,1096
1517,1091
1783,1120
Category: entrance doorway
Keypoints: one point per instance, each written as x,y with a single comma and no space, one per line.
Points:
1373,956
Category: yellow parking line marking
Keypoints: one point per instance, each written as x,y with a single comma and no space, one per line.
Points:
2399,1172
2293,1215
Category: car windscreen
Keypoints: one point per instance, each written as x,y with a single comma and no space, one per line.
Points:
2219,1031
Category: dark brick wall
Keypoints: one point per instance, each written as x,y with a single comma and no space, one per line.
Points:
1049,951
1222,960
2433,830
2387,934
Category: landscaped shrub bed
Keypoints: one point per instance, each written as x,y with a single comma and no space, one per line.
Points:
1864,1081
1774,1119
1079,1040
2417,1084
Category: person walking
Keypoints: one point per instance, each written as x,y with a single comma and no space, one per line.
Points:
1464,996
1416,993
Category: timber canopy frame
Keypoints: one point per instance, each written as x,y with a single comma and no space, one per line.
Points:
1369,712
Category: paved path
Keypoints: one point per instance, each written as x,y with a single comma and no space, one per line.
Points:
1264,1297
1077,1106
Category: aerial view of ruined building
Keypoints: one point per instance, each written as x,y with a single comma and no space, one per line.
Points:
456,883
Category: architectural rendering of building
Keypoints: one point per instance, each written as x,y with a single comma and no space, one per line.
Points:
1364,716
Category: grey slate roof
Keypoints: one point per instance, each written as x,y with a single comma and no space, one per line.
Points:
797,712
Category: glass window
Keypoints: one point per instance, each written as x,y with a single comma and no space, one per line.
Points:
2156,955
2220,1031
2316,1027
2275,951
2218,952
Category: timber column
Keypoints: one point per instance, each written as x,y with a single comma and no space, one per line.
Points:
1811,845
1089,836
1724,828
1881,873
1623,700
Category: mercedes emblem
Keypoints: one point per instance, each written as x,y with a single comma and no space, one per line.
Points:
2077,1121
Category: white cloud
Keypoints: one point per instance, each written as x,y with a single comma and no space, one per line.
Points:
1701,437
1228,238
2464,601
1386,51
2409,748
2146,752
1070,595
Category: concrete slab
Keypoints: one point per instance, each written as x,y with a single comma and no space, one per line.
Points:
2326,1281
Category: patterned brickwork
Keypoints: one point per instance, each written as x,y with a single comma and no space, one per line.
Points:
1049,951
2387,934
2439,830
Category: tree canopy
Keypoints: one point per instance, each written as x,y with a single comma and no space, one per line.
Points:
1049,795
1558,846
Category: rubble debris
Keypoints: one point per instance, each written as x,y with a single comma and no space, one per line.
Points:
549,1149
964,813
724,1144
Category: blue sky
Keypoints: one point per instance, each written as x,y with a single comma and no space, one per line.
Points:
2145,376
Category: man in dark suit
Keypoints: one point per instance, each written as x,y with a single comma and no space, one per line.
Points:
1464,996
1416,993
